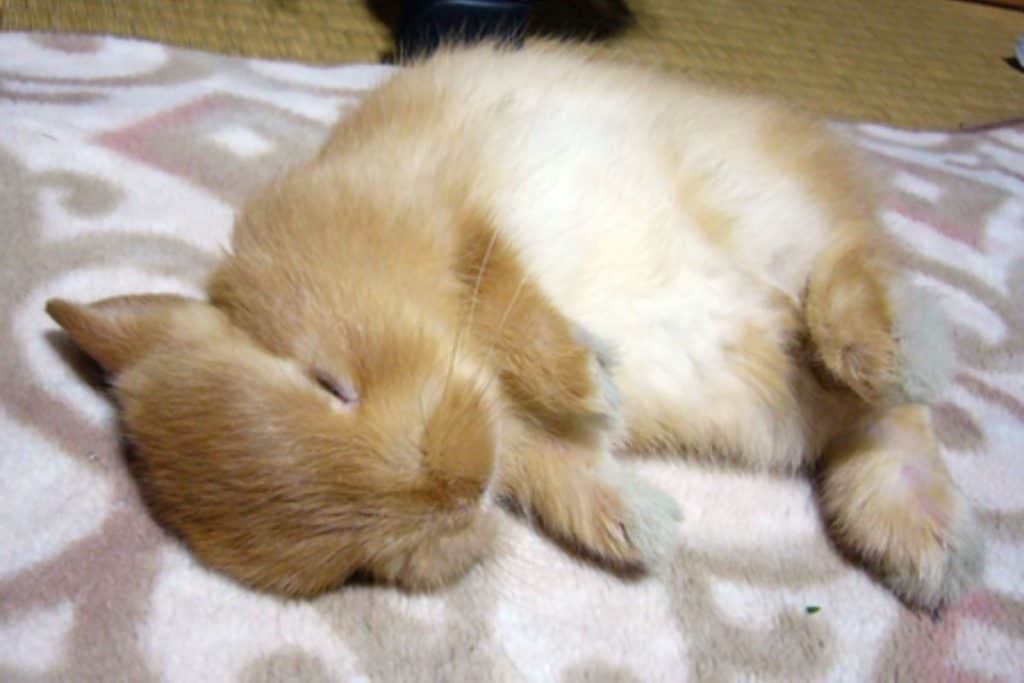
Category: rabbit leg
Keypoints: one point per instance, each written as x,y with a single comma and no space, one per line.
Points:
891,501
586,499
556,374
849,312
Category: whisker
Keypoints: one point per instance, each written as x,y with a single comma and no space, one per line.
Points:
470,318
482,366
501,329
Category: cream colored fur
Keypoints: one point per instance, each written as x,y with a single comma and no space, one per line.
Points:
634,261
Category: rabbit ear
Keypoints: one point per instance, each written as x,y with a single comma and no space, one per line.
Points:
117,332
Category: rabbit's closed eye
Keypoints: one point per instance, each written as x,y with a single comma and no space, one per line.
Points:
340,389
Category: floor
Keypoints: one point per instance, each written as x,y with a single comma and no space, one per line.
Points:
915,63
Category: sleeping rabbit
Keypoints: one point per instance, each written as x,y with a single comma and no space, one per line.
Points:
503,268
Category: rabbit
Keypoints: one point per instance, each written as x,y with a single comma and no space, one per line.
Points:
503,269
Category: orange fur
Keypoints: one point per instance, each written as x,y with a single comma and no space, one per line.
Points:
266,477
545,370
890,500
389,348
846,303
585,498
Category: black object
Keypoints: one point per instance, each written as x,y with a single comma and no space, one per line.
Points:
426,24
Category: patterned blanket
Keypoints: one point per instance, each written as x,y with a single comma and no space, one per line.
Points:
120,165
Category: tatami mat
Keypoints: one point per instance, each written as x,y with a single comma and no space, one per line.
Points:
920,63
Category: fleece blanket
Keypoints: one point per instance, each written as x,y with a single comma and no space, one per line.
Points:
121,163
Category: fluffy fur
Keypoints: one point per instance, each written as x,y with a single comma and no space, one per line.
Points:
502,267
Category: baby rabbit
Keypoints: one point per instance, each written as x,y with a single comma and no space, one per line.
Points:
502,267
